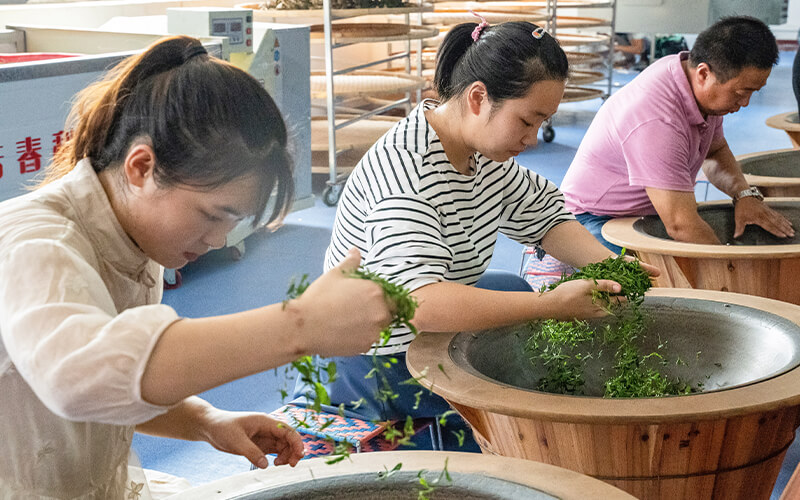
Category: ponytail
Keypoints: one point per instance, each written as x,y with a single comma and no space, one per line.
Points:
452,49
508,58
209,123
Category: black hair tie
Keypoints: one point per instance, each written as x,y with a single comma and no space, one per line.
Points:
193,51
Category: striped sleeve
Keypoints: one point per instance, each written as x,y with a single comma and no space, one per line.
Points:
404,241
532,206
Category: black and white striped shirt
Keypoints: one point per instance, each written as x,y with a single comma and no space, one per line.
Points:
417,220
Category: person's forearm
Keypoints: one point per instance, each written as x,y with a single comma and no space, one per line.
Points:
194,355
184,421
696,231
636,47
573,244
724,172
449,307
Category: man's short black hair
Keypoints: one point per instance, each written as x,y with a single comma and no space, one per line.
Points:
734,43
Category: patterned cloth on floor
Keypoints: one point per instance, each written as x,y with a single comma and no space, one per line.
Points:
543,272
322,430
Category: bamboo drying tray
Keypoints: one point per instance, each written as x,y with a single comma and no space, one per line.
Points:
565,39
575,94
345,161
529,4
451,18
583,57
357,135
358,104
373,32
584,77
428,56
580,22
428,70
584,3
575,39
261,14
521,6
365,83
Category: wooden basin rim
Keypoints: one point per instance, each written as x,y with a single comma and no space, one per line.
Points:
727,445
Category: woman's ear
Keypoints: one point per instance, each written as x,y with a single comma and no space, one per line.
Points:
477,97
139,164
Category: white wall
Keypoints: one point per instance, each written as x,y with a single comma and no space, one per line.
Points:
789,30
692,16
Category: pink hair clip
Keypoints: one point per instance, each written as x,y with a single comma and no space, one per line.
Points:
538,33
476,33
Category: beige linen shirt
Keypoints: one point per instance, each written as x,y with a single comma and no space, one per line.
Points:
79,317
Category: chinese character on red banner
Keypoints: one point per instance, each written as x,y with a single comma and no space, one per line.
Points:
1,164
30,159
59,138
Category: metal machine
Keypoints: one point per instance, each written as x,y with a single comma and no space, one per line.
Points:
35,95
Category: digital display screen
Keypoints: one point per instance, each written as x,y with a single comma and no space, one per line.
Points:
233,28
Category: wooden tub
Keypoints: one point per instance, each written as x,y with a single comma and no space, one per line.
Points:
474,476
725,443
789,123
775,173
756,264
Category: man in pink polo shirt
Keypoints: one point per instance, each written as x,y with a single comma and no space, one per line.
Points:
645,146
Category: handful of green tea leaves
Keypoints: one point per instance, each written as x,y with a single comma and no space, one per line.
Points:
633,279
404,303
316,375
404,307
563,347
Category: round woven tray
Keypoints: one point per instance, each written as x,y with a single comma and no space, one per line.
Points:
499,6
580,22
356,30
575,39
575,94
521,5
373,32
583,57
565,39
583,77
345,162
451,18
428,56
262,14
357,135
365,83
427,71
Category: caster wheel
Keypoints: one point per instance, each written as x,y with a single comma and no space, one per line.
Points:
174,281
548,134
237,251
331,194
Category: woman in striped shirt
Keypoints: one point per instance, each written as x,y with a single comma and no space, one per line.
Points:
426,202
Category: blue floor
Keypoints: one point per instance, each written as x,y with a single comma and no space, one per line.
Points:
216,284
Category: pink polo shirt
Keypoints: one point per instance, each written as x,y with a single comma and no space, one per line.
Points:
650,133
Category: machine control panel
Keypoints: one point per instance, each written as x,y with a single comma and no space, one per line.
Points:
234,24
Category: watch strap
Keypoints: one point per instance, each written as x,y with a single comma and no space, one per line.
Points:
751,191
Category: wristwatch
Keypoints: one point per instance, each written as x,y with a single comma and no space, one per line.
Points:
751,191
